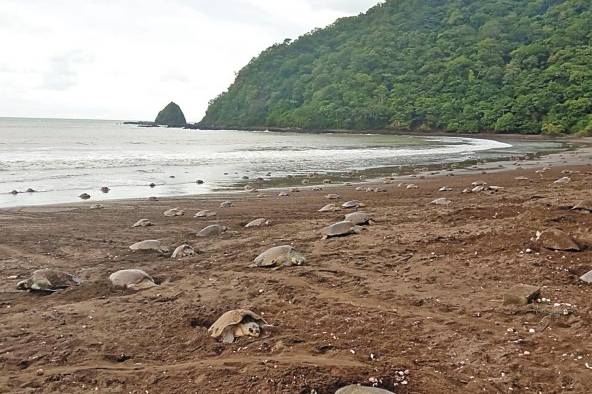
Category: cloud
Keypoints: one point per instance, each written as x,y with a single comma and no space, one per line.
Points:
62,73
118,59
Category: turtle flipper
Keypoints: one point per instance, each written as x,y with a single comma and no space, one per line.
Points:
42,285
228,335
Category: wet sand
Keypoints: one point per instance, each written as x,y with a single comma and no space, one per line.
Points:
414,303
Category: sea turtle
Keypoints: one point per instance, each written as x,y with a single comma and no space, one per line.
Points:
183,251
152,198
150,244
587,277
585,205
279,256
258,223
359,218
357,389
173,212
199,182
152,185
563,181
142,223
352,204
48,280
226,204
340,229
31,190
211,230
330,208
237,323
133,279
84,196
105,189
441,201
205,214
333,196
556,239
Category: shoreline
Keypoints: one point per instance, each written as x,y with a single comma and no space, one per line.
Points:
567,156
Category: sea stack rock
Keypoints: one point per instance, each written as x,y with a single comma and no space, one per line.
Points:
171,116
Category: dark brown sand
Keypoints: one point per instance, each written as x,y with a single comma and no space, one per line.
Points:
421,291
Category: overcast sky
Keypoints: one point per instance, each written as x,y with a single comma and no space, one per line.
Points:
126,59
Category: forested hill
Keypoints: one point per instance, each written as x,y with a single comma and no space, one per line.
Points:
457,65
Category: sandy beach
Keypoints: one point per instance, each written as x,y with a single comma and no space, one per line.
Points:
412,304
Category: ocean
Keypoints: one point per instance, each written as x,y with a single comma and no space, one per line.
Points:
60,159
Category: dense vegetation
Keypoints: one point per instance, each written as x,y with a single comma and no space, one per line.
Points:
458,65
171,116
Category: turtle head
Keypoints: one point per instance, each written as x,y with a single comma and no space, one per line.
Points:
251,329
22,285
297,258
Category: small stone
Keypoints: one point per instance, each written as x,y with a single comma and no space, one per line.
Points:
522,294
40,372
556,239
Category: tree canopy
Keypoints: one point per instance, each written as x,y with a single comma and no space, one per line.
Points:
456,65
171,116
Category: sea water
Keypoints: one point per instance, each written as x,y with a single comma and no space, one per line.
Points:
60,159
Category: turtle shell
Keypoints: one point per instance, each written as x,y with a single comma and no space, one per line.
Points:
131,278
234,317
358,218
174,212
339,229
142,223
205,214
257,223
441,201
183,251
352,204
356,389
213,229
278,256
330,208
585,205
48,280
149,244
